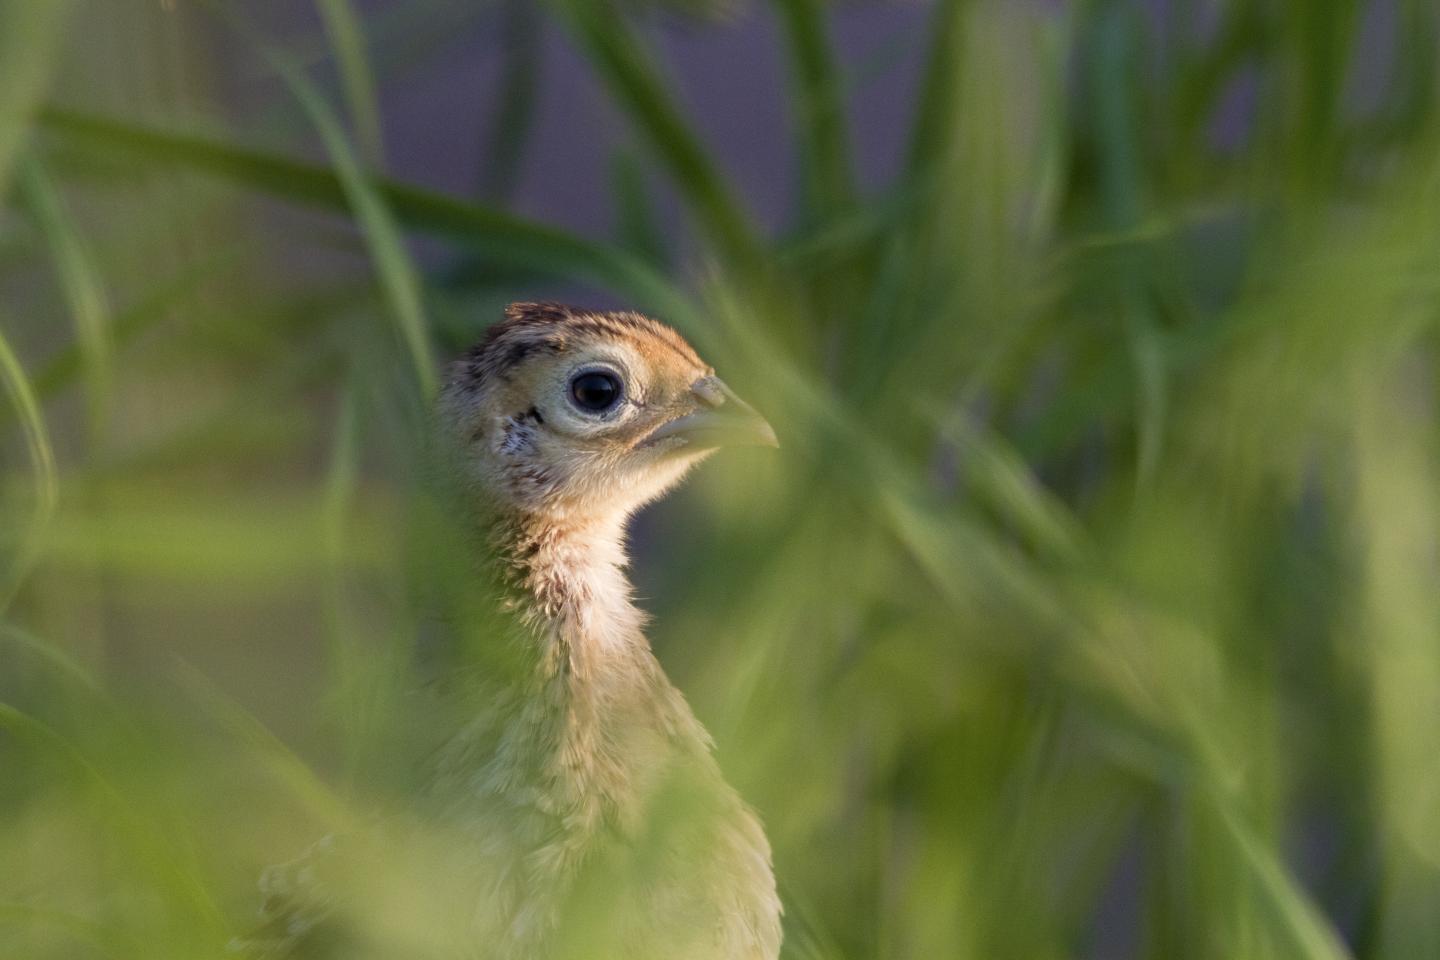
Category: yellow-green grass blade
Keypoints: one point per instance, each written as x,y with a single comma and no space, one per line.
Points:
146,839
1298,921
42,468
30,35
95,936
259,542
1396,521
358,673
305,785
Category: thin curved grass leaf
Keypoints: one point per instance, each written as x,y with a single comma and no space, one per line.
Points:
637,225
58,660
361,677
1294,915
347,39
1003,477
502,238
936,110
398,277
30,36
80,284
516,99
46,491
817,94
638,87
282,763
132,322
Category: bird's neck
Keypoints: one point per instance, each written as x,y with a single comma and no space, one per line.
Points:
565,579
597,717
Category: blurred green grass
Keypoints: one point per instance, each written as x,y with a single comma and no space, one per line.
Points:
1091,609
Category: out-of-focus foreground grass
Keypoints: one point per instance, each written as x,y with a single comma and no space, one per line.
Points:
1092,607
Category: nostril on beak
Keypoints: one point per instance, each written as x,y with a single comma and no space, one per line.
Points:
711,391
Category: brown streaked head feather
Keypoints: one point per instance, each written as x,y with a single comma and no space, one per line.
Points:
552,327
511,404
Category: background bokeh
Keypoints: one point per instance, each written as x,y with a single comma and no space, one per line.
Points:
1090,609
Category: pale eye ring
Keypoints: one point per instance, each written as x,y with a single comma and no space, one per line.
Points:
596,391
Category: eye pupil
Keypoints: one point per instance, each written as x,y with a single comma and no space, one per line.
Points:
595,391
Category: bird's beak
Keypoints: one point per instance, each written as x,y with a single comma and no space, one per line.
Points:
725,421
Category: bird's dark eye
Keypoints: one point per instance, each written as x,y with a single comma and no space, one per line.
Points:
595,391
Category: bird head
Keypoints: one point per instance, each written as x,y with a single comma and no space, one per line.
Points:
579,414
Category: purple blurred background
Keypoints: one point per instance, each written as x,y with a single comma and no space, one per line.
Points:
729,77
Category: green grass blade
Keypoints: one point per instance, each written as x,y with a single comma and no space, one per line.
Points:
637,226
505,239
134,321
30,35
281,762
42,468
1396,523
817,94
61,662
1298,919
1001,476
935,113
146,838
80,285
1116,68
399,281
515,99
639,88
343,631
347,39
